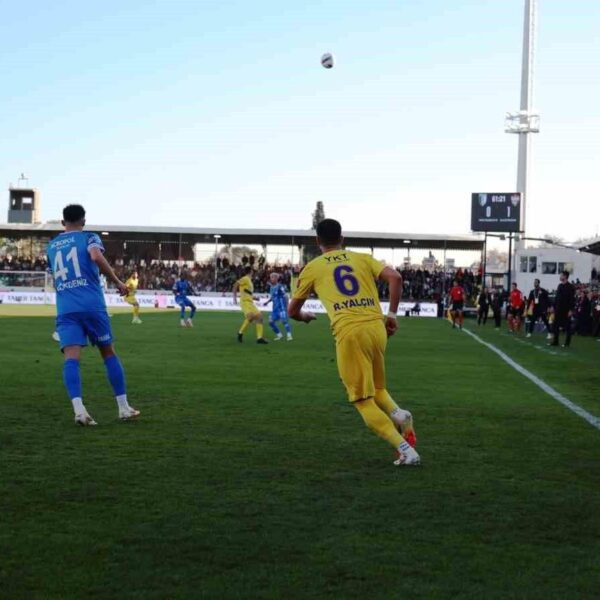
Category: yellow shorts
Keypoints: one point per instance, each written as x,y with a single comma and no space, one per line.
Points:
249,308
130,299
361,359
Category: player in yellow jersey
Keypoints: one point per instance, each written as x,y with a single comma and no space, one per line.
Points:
345,284
251,313
132,286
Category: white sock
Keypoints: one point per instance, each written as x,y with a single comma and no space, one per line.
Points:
78,406
122,402
399,416
406,449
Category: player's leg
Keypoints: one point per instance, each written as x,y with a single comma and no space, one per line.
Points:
244,326
192,306
355,358
100,334
136,313
286,324
273,318
260,329
403,419
72,381
461,318
116,377
181,313
71,334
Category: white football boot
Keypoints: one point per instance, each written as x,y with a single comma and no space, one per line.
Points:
408,458
84,419
189,323
289,337
128,413
136,321
278,337
183,323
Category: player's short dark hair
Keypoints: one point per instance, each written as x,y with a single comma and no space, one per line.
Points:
247,270
329,231
536,279
514,284
73,213
566,274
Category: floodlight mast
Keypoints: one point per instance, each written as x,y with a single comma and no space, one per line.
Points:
525,121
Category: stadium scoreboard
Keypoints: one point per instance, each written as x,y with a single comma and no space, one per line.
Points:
496,212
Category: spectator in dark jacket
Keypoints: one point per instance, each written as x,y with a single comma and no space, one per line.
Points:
496,299
564,304
483,304
537,307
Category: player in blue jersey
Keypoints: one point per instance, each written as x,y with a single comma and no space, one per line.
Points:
76,259
181,289
278,296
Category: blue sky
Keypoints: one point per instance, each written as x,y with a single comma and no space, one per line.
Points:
216,113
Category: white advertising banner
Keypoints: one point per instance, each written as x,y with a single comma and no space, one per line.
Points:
427,309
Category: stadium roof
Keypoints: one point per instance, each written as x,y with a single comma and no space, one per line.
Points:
593,247
283,237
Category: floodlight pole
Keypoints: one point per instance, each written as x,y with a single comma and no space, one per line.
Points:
525,121
217,238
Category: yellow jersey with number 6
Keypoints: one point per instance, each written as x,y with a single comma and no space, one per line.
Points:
344,281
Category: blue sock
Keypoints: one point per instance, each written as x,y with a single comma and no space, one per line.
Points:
116,375
287,326
183,311
274,327
193,312
72,378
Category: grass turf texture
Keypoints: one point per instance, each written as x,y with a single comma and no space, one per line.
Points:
250,476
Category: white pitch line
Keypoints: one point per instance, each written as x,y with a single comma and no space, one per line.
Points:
581,412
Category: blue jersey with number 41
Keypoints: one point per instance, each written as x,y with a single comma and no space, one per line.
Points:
76,275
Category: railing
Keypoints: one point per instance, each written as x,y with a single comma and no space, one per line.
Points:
25,279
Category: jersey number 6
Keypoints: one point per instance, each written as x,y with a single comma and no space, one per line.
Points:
346,283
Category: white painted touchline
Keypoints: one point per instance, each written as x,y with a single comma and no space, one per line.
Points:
584,414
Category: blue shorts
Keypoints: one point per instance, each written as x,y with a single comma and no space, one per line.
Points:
75,329
185,302
279,315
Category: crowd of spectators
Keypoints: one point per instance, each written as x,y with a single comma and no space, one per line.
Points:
161,275
433,285
12,263
419,284
586,317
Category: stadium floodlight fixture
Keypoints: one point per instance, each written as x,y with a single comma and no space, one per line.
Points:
105,233
407,241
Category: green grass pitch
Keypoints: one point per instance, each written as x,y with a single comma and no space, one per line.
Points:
250,476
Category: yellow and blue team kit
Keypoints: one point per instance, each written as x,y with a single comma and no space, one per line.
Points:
344,281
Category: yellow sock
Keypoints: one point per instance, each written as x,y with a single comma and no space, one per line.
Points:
378,422
245,325
385,402
259,330
136,311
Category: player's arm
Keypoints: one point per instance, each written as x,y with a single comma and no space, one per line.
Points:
97,256
394,281
295,311
304,290
267,301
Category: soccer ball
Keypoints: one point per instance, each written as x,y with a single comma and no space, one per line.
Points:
327,60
